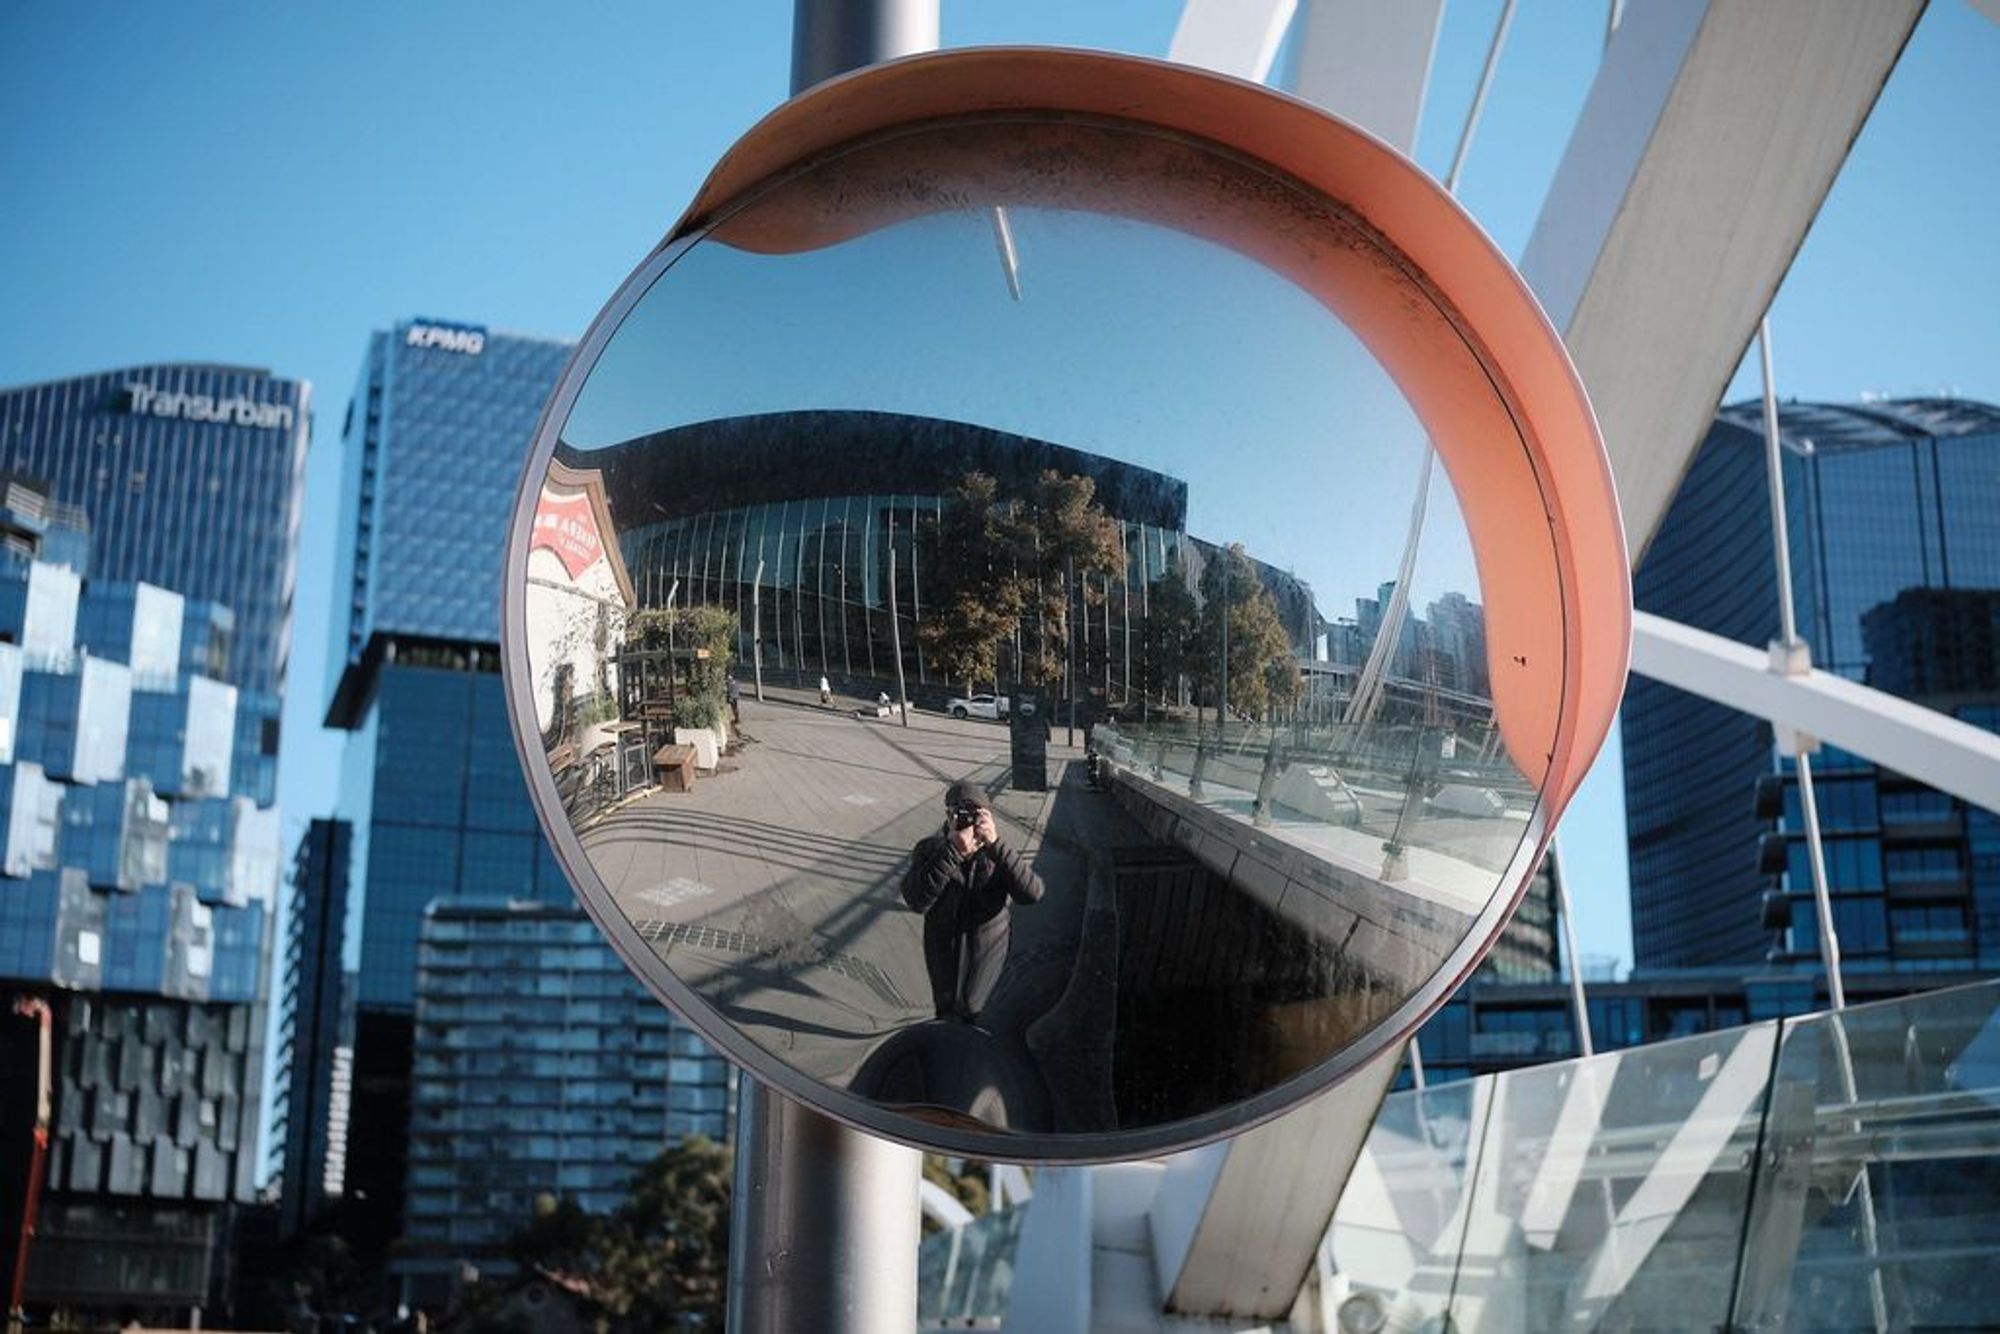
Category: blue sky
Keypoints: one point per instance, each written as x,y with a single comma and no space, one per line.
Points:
266,184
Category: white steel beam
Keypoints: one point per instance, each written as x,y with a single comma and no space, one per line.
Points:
1370,63
1706,146
1915,741
1261,1216
1238,37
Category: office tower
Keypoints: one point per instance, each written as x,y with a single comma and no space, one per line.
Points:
432,447
138,878
192,475
1893,510
542,1067
312,1099
431,788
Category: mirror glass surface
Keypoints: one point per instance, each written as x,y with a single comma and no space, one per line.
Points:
1054,429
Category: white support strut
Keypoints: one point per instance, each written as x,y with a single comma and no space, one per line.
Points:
1920,743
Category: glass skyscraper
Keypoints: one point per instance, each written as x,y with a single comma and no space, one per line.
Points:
193,477
433,444
1893,511
314,1088
138,880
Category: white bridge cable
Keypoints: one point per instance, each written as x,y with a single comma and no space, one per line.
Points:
1368,687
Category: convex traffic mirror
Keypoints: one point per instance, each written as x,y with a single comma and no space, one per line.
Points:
1053,616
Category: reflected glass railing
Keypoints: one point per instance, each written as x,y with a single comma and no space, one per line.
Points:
1827,1172
964,1274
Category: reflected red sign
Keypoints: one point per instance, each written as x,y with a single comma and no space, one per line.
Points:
566,526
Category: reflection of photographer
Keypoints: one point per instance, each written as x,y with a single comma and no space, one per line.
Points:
964,881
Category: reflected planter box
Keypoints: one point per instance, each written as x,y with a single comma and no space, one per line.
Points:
706,742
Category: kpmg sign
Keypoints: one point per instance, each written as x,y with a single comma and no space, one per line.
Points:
145,400
466,339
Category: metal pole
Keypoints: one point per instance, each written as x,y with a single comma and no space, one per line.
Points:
757,628
1791,654
36,1011
824,1225
896,633
824,1220
1070,619
1789,651
831,37
1479,97
1579,1009
1222,689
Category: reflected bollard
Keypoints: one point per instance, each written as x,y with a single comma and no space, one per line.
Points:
1274,765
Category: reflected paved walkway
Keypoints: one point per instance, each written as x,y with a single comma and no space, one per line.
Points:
773,888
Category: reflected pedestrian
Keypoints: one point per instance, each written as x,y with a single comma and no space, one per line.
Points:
734,694
965,882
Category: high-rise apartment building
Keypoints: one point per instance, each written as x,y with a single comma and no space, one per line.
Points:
1893,511
541,1068
138,880
315,1049
431,788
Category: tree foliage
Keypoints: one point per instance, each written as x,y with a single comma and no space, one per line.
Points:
665,1255
1167,629
697,627
965,1179
1263,678
660,1261
999,566
1056,535
974,605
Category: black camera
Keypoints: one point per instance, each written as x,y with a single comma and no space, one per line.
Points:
964,817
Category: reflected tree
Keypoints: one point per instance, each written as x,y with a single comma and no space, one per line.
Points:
1167,637
972,599
999,567
1240,627
1060,539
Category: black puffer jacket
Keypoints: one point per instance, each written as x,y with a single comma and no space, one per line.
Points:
966,891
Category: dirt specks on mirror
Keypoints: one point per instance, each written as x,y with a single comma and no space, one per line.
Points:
1001,646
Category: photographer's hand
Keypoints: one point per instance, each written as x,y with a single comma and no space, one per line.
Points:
988,832
964,841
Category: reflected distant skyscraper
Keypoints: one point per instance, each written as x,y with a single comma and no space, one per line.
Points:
1893,510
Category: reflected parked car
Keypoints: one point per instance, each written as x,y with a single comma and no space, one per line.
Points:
978,706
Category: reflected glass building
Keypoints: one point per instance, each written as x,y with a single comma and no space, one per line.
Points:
1893,510
808,507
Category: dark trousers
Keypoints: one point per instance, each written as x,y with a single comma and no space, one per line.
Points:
964,965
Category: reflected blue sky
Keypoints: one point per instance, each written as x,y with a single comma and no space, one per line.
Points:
1130,340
